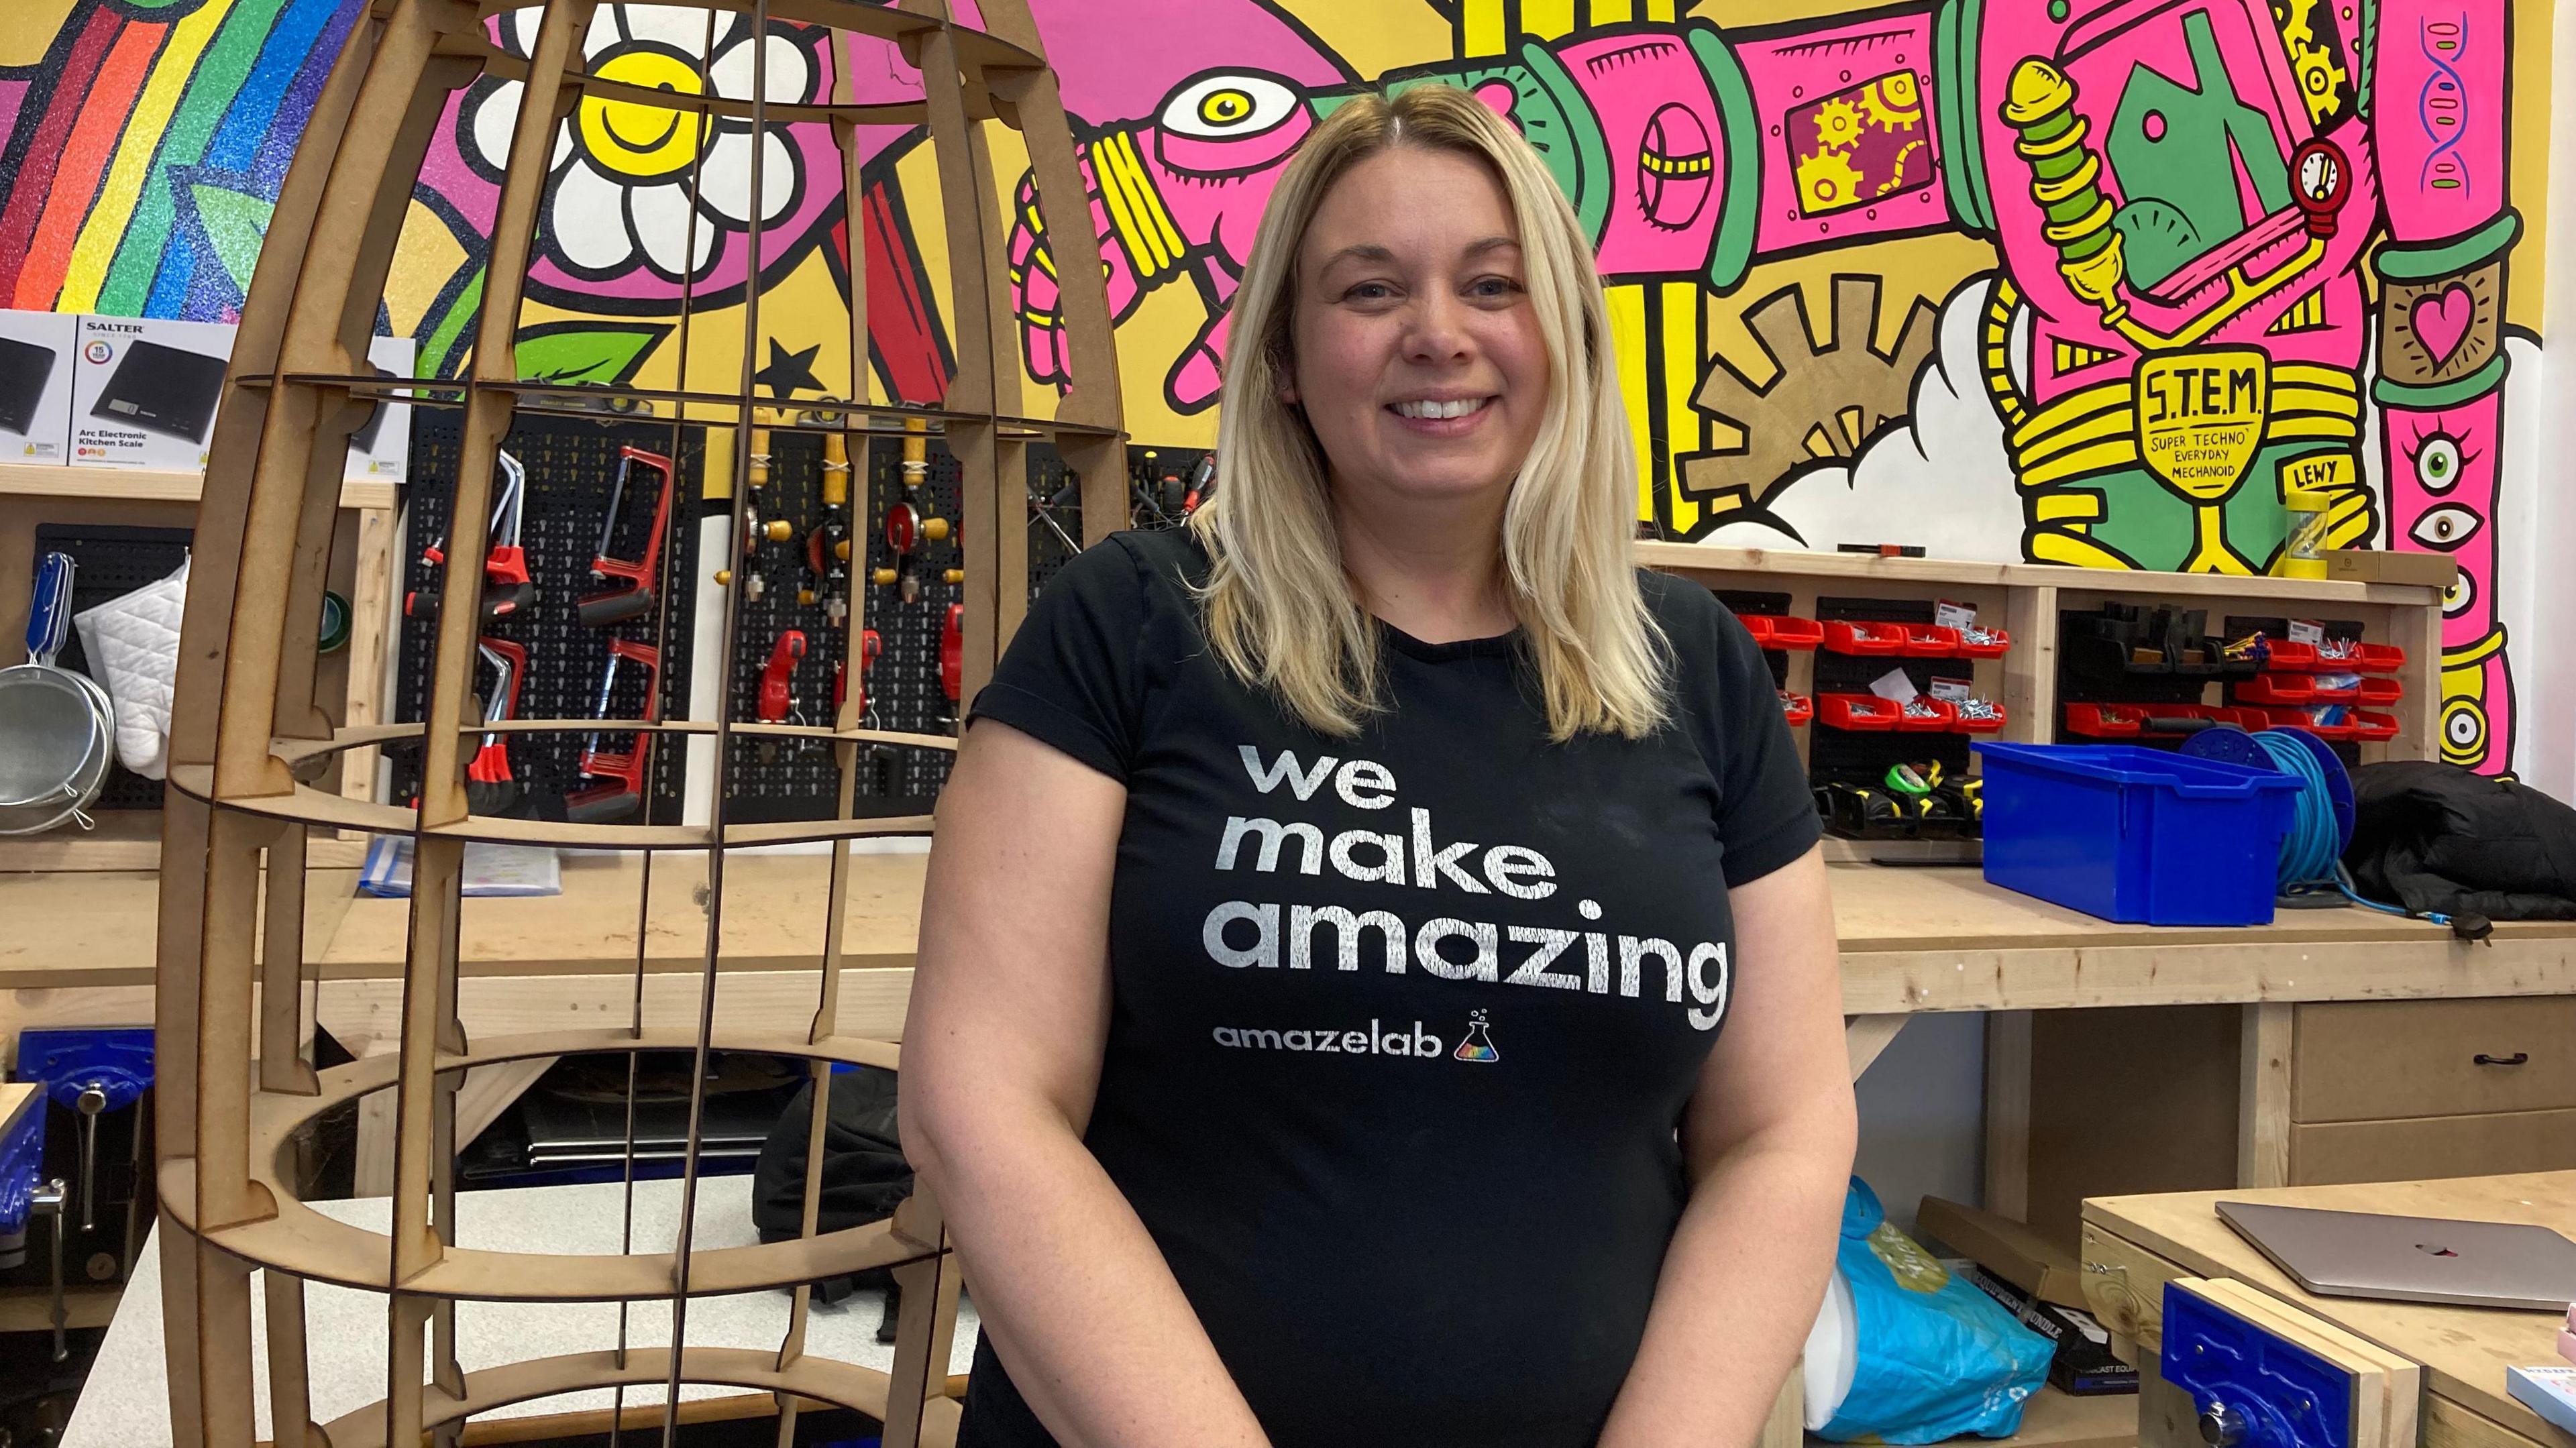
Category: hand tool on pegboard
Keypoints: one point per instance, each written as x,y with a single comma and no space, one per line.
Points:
905,531
507,589
625,586
613,780
777,702
759,530
869,647
489,787
827,544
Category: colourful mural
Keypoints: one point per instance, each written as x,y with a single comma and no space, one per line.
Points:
2081,281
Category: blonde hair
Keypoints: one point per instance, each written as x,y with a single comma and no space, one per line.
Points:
1279,607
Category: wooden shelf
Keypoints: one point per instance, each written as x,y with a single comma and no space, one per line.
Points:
130,840
2052,1419
146,485
1789,563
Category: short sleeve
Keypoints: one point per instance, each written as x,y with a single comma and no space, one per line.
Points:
1070,678
1766,814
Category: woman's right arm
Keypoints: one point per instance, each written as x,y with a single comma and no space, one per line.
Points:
1001,1059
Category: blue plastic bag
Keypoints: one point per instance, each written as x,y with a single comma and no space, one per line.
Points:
1934,1357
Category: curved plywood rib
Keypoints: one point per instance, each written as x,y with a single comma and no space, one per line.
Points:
248,742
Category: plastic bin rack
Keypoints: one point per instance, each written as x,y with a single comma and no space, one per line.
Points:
2351,724
2306,688
2135,835
2129,721
1922,714
1781,631
2335,656
1914,640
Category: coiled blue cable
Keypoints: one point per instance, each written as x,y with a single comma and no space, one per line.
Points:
2311,854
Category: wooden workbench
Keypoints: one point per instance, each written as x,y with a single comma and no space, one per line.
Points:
2132,1244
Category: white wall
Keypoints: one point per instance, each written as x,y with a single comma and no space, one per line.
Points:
2544,648
1922,1115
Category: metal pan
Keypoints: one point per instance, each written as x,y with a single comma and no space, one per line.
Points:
57,728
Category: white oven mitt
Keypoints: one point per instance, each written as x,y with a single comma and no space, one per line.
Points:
133,647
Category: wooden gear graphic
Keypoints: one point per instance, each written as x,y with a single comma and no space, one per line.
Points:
250,740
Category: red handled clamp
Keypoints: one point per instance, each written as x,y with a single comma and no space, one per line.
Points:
778,680
489,788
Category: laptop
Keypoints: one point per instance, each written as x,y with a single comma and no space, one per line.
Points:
25,368
2412,1259
166,389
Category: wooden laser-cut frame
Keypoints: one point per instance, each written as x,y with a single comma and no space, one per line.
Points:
249,736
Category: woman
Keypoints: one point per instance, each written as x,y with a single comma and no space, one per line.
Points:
1333,908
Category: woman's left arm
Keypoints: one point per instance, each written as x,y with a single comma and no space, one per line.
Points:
1768,1142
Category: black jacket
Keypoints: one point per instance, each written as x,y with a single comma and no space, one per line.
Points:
2434,837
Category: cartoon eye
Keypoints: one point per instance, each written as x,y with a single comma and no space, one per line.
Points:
2437,462
2459,596
2445,527
2464,731
1222,107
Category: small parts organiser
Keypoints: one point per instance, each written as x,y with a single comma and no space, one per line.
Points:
2116,660
2133,721
1922,714
1780,631
1914,640
2319,684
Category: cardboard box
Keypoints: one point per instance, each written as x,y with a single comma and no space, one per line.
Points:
36,386
2084,1365
144,392
2387,565
2011,1251
380,450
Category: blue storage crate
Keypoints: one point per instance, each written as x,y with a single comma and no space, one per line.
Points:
2136,835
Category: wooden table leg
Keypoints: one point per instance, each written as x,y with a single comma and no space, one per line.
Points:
2008,1114
1865,1036
2263,1098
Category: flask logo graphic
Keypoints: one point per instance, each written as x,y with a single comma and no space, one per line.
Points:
1478,1046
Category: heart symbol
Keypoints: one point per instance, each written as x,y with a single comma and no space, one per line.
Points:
2441,321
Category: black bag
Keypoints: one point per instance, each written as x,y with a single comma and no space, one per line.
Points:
2435,837
864,1174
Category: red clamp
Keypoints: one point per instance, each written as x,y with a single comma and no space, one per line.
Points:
778,681
869,648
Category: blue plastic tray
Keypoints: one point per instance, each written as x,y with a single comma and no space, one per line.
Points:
2139,836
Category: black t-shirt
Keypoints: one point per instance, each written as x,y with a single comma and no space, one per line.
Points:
1402,1025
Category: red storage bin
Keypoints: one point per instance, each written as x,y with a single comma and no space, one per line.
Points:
2299,719
2361,658
1924,714
2380,691
1851,636
1780,631
1796,708
2287,654
1930,641
2367,725
1989,722
1790,632
1983,643
2103,721
2278,689
1856,711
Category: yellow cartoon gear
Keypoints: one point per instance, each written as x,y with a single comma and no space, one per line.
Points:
1838,124
1894,102
1827,181
2322,83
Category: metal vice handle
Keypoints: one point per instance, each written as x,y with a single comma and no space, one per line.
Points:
48,1200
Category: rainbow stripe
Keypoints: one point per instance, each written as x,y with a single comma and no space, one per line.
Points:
56,96
102,111
147,128
162,255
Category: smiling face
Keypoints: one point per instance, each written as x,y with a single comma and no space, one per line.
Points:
1417,353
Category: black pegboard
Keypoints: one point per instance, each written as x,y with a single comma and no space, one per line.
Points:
109,562
572,463
1863,757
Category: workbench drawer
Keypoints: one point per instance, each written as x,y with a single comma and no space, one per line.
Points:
2377,1060
2432,1146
